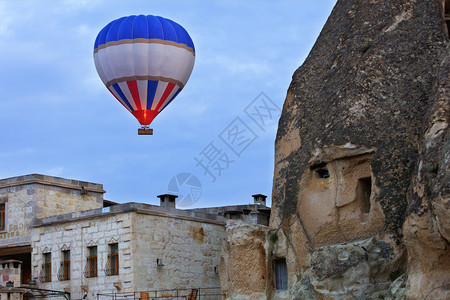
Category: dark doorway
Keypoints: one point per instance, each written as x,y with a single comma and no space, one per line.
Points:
364,190
25,258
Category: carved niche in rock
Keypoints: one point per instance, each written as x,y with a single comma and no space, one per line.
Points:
336,198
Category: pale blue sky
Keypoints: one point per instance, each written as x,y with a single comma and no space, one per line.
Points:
58,119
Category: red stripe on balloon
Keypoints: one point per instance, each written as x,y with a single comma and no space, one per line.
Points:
166,94
132,85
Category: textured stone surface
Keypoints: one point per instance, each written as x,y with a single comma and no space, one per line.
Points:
334,202
49,215
427,226
374,86
190,251
76,236
10,270
359,270
37,196
142,239
243,266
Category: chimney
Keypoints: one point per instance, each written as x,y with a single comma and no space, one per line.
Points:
167,200
259,199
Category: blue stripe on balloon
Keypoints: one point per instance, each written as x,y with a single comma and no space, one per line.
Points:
179,90
122,96
169,32
96,41
155,30
183,36
102,34
140,28
113,29
125,31
152,85
150,27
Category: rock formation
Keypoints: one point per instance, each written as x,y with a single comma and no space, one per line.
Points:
362,147
361,200
243,272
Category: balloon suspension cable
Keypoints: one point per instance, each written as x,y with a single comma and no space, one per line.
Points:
145,130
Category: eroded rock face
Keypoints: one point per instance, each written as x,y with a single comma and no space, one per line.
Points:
427,226
335,203
359,270
243,266
362,156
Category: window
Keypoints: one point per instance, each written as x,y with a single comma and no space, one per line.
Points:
112,267
64,270
91,264
47,267
321,170
281,274
2,217
364,189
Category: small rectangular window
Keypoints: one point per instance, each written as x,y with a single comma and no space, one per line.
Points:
112,267
364,190
91,263
47,267
2,217
64,271
281,274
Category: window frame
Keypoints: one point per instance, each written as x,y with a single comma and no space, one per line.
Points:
47,267
92,262
112,267
281,277
66,264
3,217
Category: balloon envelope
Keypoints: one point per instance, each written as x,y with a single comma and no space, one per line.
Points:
144,61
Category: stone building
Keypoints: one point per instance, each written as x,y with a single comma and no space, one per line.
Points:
27,198
60,234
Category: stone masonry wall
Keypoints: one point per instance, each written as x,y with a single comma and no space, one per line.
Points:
244,268
53,201
37,196
189,250
188,245
10,271
19,211
76,236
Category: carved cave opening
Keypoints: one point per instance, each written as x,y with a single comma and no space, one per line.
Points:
364,191
321,170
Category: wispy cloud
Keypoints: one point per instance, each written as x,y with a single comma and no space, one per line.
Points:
55,171
234,66
72,6
5,20
56,107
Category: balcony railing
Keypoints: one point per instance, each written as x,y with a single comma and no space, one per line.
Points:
90,270
64,271
45,275
112,265
178,294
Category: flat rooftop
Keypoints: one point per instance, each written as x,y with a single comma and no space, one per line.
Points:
50,181
131,207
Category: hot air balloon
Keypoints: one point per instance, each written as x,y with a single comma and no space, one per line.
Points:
144,61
